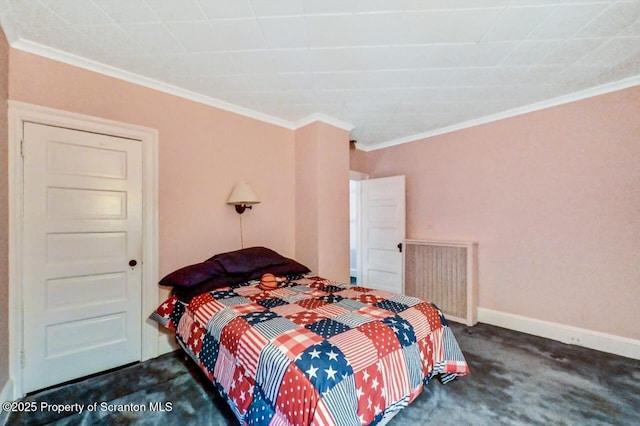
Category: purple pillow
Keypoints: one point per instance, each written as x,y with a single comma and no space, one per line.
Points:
289,268
193,274
247,260
185,294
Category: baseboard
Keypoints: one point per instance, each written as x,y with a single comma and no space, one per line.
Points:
6,395
167,343
604,342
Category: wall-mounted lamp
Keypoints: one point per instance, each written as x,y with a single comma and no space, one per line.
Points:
242,197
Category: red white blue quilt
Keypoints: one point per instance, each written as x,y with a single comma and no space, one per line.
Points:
314,352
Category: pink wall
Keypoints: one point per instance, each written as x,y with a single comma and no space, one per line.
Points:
307,250
552,197
203,152
322,200
333,198
358,160
4,214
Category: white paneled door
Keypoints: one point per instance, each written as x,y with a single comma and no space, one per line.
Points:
81,255
383,231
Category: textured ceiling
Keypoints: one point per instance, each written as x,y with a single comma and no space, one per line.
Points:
394,69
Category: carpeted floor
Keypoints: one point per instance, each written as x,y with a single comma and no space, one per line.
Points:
516,379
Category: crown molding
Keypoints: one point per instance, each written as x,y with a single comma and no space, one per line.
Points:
108,70
325,119
98,67
560,100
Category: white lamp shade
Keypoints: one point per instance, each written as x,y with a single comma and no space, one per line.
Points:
242,193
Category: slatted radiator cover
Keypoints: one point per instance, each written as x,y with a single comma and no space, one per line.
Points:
445,273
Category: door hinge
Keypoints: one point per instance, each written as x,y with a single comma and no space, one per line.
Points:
22,358
22,148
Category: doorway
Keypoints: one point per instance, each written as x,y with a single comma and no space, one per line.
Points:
355,255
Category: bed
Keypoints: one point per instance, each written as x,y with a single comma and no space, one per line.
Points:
310,351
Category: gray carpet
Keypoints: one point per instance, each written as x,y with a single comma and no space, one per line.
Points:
516,379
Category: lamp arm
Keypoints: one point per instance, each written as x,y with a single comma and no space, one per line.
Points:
240,208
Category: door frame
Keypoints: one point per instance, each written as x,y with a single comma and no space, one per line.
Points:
20,112
358,176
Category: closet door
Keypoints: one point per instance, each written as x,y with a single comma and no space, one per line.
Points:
82,248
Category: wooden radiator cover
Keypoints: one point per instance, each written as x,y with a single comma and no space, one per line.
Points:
445,273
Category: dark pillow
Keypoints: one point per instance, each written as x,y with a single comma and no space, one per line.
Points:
192,275
248,260
185,294
289,268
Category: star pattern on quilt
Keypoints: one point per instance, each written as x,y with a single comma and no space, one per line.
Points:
324,365
209,353
241,389
333,288
392,306
196,337
402,329
327,327
331,298
176,314
167,307
256,317
226,294
305,354
272,302
369,392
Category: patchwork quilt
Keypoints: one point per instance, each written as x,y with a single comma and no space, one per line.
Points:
314,352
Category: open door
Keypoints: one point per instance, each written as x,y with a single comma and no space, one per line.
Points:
383,230
354,230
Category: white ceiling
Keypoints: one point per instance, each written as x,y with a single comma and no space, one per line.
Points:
394,69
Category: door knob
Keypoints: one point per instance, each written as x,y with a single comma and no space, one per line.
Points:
133,262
